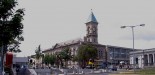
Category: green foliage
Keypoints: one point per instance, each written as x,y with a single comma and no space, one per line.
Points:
49,59
74,58
38,52
11,27
146,71
46,59
85,53
59,60
52,59
65,54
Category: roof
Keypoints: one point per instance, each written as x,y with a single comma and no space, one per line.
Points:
91,18
20,59
66,43
122,47
152,50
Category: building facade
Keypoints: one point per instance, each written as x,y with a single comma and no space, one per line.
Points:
118,54
143,58
106,53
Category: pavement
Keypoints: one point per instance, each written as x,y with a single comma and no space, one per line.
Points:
119,72
99,72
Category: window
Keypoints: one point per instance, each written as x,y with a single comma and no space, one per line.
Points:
111,55
116,56
136,60
94,30
123,56
123,51
88,40
117,50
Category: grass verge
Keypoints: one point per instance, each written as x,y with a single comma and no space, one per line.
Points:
146,71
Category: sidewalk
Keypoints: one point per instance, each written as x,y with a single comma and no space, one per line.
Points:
98,72
101,72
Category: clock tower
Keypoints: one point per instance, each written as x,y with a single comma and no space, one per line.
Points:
92,30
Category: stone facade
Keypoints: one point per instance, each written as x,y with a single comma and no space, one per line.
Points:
143,58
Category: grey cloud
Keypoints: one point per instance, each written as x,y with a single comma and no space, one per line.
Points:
146,36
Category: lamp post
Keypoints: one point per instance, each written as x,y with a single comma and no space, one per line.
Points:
132,27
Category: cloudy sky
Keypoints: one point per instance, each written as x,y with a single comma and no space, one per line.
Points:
53,21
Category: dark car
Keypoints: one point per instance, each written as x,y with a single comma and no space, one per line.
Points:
113,68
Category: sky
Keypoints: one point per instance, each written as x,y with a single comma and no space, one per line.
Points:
47,22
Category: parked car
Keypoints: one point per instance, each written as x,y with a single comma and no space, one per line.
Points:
113,68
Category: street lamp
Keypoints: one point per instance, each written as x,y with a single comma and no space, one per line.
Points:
133,31
132,27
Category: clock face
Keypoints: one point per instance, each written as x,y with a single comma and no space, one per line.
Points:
91,29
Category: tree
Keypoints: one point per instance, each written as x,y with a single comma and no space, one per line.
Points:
52,59
46,59
74,58
63,57
49,59
85,53
38,53
66,55
11,27
59,61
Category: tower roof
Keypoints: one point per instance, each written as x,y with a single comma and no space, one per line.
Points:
91,18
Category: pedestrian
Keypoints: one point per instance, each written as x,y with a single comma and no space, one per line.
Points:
127,67
24,70
17,69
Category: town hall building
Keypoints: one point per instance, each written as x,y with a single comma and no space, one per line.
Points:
106,53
